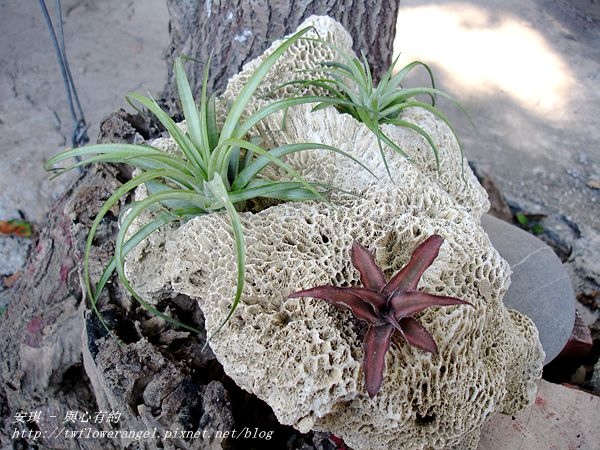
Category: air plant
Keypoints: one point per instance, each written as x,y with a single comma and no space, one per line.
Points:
219,169
386,307
350,88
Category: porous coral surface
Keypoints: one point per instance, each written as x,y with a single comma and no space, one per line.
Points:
303,356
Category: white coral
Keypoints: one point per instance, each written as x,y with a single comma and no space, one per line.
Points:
303,356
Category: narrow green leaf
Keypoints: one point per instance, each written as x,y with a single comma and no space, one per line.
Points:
145,163
382,86
274,155
322,83
234,164
278,105
365,70
268,155
217,187
272,189
190,112
397,79
108,204
184,142
384,138
211,122
136,209
245,95
440,115
131,243
422,132
248,158
344,70
406,94
125,149
207,131
379,135
154,187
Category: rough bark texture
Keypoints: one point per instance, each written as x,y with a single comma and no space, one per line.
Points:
41,364
239,30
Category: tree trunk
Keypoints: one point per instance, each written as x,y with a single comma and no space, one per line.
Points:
41,330
237,31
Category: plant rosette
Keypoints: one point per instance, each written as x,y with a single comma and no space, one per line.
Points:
304,356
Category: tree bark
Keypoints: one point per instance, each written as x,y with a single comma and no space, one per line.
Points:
236,31
41,367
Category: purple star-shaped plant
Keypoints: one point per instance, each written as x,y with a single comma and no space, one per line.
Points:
387,307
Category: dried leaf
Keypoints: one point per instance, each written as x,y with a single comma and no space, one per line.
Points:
20,228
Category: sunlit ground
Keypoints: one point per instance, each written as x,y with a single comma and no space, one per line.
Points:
483,53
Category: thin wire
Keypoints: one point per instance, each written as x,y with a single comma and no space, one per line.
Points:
79,136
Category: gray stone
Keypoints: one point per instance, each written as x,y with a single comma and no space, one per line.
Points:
540,286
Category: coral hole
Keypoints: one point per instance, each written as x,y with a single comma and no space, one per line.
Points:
425,419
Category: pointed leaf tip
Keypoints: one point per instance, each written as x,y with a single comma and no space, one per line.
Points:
344,299
376,344
422,257
417,336
371,275
407,303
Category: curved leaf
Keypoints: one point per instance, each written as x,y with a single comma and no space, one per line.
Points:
136,209
245,95
131,243
108,204
371,275
422,257
117,153
272,189
275,160
406,303
217,187
279,105
184,142
440,115
274,155
416,334
422,132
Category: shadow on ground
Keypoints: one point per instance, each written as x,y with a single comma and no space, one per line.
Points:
527,72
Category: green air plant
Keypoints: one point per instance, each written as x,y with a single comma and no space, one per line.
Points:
218,169
350,88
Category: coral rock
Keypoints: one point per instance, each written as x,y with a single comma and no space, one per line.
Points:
303,356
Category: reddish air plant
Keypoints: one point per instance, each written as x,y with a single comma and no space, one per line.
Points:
387,307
